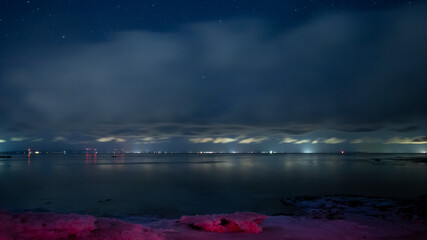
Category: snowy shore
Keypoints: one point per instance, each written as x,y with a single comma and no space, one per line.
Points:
334,217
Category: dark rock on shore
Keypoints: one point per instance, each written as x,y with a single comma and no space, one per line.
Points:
340,207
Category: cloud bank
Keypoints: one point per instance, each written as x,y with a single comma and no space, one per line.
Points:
351,71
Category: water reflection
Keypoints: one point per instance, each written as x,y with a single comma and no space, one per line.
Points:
91,158
172,185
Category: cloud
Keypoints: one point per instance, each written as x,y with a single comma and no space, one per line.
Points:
110,139
37,140
415,140
17,139
59,139
294,141
422,139
217,140
147,139
151,140
289,140
225,140
353,71
252,140
365,140
406,129
294,129
2,141
302,141
201,140
334,141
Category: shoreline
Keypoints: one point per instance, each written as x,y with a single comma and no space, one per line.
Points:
330,217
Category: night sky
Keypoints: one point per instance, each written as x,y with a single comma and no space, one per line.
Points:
242,75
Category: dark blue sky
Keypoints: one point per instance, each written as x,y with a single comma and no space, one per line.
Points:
295,76
36,24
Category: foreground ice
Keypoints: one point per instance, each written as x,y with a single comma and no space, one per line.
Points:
314,218
221,223
50,226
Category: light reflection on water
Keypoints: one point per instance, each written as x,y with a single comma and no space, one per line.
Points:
172,185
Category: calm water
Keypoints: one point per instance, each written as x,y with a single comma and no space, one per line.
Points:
173,185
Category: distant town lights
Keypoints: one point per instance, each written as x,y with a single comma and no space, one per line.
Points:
307,151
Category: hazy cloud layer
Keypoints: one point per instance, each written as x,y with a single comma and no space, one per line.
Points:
343,70
415,140
17,139
217,140
253,140
332,140
110,139
365,141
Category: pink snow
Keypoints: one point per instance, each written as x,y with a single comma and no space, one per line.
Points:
236,222
49,226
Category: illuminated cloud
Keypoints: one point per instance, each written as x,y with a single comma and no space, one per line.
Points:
201,140
295,141
110,139
252,140
225,140
2,140
147,139
216,140
18,139
289,140
151,140
316,141
302,141
365,140
59,139
415,140
332,140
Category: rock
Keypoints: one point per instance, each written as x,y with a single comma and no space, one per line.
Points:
236,222
288,201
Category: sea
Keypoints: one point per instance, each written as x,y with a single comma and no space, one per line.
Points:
172,185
